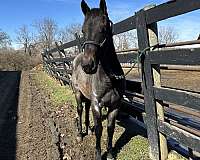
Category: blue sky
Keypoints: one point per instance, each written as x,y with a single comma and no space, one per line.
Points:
15,13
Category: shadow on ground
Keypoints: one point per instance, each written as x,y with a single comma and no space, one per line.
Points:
9,93
132,129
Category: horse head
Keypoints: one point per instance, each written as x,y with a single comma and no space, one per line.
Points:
96,29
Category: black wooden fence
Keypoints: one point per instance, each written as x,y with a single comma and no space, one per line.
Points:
163,118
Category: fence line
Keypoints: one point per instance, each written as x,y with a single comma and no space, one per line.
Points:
161,123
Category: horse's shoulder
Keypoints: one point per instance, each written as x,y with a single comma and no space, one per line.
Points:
77,60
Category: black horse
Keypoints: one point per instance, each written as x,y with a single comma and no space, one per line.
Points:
98,79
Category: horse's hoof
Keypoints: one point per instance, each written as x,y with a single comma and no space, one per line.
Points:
110,156
79,138
98,156
89,132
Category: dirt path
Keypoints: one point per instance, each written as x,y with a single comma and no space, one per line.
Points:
70,149
33,129
35,137
26,131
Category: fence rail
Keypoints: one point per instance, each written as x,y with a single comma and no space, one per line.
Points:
162,113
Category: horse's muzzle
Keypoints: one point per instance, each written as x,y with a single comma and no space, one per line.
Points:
89,60
89,68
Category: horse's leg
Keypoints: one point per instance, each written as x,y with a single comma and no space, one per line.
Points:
110,129
98,128
87,121
78,96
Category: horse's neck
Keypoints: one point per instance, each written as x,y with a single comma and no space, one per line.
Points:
109,60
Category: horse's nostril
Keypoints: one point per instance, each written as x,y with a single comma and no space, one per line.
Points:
86,66
89,66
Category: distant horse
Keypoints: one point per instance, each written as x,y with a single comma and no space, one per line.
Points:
98,79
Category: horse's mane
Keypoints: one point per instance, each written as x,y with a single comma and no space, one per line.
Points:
110,61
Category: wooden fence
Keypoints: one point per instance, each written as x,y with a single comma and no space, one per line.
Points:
163,118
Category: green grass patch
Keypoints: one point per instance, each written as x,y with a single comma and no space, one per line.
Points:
138,149
173,155
58,94
135,149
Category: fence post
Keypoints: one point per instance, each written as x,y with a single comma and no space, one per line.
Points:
51,64
148,36
153,40
44,61
62,55
79,42
47,63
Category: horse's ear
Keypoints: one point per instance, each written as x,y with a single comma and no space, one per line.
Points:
103,6
84,7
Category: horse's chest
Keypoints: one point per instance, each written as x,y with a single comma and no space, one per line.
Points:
101,84
92,86
84,84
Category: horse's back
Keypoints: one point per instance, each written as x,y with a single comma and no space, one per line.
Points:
80,80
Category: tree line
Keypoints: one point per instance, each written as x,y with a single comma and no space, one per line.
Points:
43,34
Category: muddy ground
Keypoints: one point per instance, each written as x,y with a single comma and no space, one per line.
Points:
45,132
63,130
33,129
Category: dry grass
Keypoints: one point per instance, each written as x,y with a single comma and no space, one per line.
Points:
17,61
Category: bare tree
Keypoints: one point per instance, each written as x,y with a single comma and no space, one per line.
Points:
68,33
125,40
129,39
46,32
24,38
5,40
167,35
